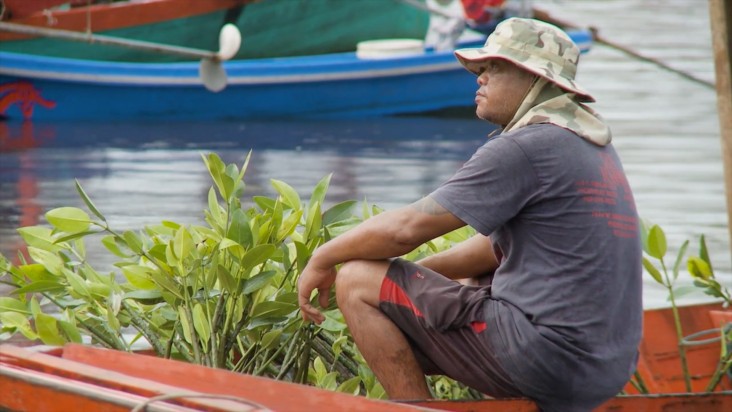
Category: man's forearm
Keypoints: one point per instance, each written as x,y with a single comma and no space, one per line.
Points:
375,238
471,258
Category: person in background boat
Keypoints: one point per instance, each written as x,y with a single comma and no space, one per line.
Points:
483,15
556,313
447,23
450,18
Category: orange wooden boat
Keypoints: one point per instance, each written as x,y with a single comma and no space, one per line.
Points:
88,16
77,377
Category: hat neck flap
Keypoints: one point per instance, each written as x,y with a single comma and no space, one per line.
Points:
547,103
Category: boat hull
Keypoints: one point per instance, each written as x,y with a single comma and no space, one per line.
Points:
271,28
337,85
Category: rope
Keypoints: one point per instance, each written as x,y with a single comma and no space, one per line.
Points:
692,340
141,407
658,63
545,16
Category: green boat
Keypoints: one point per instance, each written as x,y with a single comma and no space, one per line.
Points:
269,28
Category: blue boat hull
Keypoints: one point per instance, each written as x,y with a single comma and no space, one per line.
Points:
328,86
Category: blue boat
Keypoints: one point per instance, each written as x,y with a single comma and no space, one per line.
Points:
339,85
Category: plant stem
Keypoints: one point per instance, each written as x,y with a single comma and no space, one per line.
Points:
722,368
679,331
143,326
289,355
638,383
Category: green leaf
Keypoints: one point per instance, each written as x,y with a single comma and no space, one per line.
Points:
289,195
352,386
679,258
288,297
271,339
76,236
303,255
19,322
185,324
99,289
329,381
653,271
40,286
216,169
313,223
339,212
698,268
133,241
170,258
233,247
333,321
112,320
13,305
69,219
289,225
226,280
239,230
264,203
319,369
244,166
88,201
146,296
39,237
201,324
257,255
684,290
167,283
50,261
258,281
183,244
270,309
36,272
47,329
139,276
70,331
320,190
77,283
704,253
112,244
216,211
656,242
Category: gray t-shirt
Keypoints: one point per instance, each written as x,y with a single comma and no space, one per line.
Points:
566,303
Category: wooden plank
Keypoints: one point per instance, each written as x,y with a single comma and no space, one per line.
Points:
110,379
720,13
715,402
264,391
29,390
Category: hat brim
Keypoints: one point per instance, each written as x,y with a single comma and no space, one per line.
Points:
474,61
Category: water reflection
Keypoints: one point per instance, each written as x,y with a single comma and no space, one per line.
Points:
141,173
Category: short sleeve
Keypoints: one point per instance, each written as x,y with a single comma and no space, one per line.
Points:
491,188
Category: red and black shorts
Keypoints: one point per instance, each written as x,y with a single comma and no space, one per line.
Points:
445,324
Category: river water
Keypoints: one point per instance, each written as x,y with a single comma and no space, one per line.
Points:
666,131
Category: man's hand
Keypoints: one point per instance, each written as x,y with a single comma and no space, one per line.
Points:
313,278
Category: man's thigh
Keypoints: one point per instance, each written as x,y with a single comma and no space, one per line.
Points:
445,324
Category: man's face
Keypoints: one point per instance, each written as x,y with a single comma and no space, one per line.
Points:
503,86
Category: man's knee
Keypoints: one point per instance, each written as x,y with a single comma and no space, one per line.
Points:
360,279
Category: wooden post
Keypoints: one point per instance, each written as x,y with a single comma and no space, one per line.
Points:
720,13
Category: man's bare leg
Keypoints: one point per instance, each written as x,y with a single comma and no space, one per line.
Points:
380,341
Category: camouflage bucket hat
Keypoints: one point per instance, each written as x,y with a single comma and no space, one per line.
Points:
534,45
